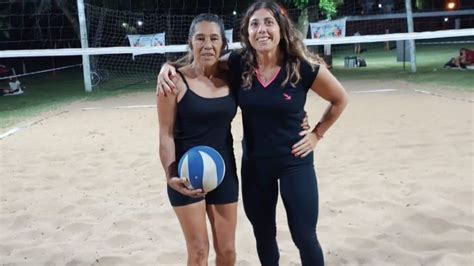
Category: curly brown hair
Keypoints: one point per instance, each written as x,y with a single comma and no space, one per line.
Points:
291,45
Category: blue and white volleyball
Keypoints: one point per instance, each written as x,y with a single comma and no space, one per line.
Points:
203,166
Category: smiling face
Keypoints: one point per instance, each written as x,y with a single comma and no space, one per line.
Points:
206,43
264,31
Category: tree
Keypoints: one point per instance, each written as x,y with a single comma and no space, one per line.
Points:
329,7
67,8
303,22
4,25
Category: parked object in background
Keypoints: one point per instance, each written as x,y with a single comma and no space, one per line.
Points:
354,61
350,61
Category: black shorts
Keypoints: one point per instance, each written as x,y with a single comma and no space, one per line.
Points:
226,192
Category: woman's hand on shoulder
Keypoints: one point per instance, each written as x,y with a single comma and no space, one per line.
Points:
166,80
182,186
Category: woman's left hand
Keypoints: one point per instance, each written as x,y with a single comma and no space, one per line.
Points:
306,145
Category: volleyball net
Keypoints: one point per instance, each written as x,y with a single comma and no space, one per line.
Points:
128,47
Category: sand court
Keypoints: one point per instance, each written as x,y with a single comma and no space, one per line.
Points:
83,185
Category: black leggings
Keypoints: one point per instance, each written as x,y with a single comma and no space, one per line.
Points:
299,192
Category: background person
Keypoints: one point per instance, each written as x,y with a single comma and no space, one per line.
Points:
463,60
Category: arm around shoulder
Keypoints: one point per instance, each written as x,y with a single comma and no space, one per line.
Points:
164,81
224,61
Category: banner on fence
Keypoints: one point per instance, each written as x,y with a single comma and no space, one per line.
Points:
229,35
148,40
328,29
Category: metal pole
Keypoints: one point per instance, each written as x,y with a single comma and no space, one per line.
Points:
86,67
411,42
404,55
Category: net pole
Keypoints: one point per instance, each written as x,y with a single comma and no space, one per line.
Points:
411,42
86,67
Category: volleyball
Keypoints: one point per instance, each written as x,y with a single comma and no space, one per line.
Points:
203,166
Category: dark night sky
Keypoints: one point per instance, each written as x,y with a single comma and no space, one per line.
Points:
24,34
218,5
56,30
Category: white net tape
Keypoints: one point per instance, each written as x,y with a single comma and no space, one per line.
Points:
183,47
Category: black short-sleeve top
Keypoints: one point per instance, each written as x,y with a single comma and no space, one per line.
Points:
272,114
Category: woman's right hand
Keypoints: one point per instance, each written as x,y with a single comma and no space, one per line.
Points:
182,186
164,83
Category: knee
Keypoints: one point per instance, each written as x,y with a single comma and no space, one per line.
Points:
264,231
304,239
225,253
198,252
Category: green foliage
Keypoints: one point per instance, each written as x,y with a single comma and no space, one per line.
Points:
329,7
300,4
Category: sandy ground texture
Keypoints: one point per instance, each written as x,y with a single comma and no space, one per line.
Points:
85,186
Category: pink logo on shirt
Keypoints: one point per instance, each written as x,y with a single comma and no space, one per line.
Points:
287,97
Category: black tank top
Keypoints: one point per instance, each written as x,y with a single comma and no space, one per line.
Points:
204,121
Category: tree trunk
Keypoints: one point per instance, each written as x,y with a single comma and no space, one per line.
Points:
38,34
72,19
303,23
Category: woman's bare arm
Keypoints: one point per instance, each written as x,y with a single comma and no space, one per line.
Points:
166,107
330,89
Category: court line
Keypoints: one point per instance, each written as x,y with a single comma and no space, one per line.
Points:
18,128
9,132
119,107
442,96
375,91
27,125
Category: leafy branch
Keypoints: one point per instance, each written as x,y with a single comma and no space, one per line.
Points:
329,7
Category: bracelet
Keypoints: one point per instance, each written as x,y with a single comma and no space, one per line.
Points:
319,136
